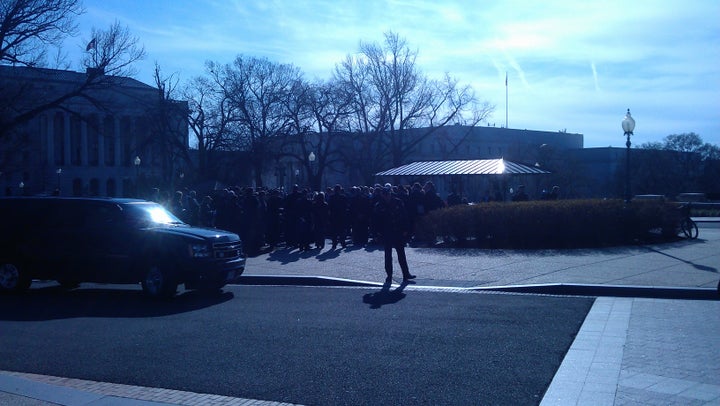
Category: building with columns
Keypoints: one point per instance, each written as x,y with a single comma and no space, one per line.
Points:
109,136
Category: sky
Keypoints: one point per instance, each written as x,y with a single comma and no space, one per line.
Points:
574,66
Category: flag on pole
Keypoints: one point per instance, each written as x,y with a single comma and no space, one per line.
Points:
505,79
91,45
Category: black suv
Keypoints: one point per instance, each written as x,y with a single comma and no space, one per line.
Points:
108,240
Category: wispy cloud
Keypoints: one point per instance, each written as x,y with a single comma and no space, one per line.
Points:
659,58
595,76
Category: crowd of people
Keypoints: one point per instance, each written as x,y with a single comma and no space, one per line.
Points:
301,218
305,219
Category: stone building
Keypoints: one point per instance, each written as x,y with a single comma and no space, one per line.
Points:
110,136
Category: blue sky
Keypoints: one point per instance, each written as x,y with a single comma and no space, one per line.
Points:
571,65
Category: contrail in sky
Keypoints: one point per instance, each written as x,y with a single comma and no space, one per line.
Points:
595,76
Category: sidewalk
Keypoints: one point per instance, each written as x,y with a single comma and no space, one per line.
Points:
630,350
691,264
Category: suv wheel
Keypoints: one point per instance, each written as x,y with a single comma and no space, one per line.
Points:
12,278
158,283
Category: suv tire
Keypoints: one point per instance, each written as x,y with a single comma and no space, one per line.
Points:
158,283
13,278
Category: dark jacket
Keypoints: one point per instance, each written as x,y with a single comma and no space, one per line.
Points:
391,220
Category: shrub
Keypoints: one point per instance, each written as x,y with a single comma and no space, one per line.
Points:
551,224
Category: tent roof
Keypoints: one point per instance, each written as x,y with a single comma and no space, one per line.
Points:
464,167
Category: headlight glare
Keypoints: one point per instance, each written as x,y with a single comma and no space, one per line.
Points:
199,251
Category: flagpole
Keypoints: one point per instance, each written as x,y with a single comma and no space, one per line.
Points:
506,100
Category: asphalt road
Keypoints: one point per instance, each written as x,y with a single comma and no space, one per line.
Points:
307,345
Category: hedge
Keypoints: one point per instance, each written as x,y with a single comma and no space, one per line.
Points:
551,224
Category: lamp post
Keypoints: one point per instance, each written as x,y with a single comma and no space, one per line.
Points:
311,158
628,125
136,162
59,173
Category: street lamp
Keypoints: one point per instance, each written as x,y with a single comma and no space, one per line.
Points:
628,125
311,158
59,173
136,162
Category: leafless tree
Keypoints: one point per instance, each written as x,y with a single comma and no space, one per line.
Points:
112,52
391,95
259,90
168,127
212,117
29,27
318,112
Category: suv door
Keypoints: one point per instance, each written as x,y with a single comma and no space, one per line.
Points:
64,243
113,243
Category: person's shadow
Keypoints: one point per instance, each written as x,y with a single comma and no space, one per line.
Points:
385,295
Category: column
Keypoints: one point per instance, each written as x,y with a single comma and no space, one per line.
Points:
118,143
83,143
66,140
101,141
49,136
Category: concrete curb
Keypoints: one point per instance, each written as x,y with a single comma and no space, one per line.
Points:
300,280
656,292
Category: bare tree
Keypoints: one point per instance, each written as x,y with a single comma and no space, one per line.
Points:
168,128
112,52
318,112
365,155
392,95
29,27
212,117
259,91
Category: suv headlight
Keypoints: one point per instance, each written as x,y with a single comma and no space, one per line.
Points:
199,251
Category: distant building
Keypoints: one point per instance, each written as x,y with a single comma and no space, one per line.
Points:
484,142
530,147
89,142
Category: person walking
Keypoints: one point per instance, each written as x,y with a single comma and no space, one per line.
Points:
393,225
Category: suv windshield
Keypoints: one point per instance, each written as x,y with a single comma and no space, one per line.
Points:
149,213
